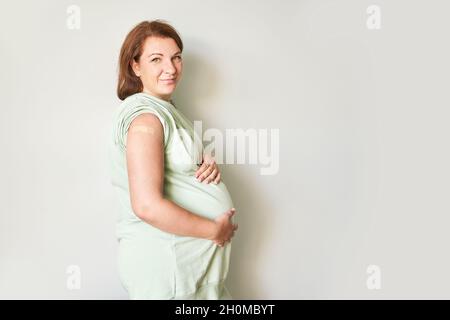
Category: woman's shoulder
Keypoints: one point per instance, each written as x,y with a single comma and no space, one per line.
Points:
134,99
135,105
138,100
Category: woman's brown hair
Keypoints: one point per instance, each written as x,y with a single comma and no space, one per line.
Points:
132,48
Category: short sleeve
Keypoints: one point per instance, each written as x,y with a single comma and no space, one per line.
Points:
126,114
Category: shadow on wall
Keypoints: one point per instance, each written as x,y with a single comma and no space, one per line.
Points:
200,87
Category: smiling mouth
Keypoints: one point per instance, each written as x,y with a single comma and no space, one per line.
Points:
168,81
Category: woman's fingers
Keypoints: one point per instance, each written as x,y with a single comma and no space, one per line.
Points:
217,179
212,176
205,171
221,244
202,168
208,171
230,213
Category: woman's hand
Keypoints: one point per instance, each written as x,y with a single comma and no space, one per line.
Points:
225,228
208,171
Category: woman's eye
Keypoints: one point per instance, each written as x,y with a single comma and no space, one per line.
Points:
179,57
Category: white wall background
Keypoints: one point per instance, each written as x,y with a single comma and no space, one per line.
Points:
363,117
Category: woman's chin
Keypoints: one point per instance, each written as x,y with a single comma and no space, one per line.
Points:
167,91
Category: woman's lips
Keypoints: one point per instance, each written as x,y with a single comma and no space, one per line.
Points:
169,81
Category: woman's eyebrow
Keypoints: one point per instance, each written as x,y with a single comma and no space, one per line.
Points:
162,54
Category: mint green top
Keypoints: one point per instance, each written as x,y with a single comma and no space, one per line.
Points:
154,264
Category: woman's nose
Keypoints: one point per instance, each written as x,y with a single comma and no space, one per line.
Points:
169,68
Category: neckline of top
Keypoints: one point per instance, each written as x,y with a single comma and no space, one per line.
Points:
159,100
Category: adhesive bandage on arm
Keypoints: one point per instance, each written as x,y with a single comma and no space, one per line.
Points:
143,129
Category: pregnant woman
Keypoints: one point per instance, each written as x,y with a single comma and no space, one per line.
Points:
174,230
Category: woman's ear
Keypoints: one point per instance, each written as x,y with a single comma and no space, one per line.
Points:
136,68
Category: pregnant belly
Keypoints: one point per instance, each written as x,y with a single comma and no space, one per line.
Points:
199,262
207,200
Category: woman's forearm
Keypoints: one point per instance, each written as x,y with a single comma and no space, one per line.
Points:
169,217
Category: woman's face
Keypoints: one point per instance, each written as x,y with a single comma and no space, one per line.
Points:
160,60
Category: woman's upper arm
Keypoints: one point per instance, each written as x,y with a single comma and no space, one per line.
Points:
145,163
